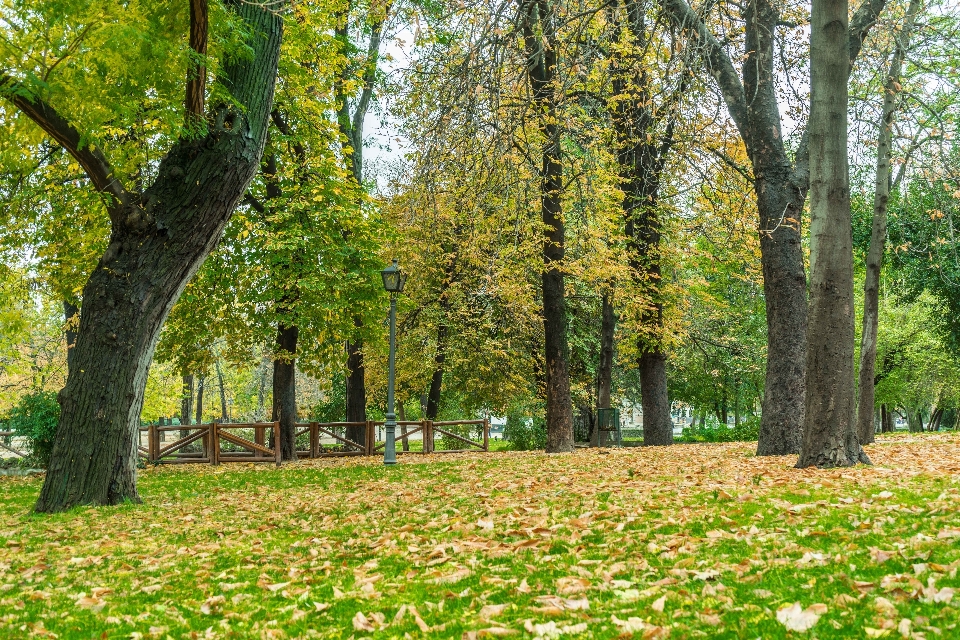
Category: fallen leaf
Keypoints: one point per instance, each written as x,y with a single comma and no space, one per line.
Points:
795,618
659,604
492,610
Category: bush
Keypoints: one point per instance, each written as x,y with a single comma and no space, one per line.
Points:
524,433
35,419
714,431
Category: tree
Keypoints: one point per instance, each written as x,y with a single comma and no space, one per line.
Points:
878,236
357,80
830,435
159,237
540,42
780,185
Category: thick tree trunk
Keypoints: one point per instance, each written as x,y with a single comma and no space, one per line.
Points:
186,402
158,242
780,204
657,424
830,436
935,418
285,389
540,42
356,393
878,234
70,322
436,381
201,384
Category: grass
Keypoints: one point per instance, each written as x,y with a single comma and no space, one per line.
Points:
687,541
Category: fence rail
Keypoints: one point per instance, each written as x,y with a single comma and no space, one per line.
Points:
6,443
218,442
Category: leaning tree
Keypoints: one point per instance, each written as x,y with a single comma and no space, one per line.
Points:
165,218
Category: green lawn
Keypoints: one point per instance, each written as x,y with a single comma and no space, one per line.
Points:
688,541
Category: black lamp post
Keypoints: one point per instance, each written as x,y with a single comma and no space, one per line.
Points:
393,281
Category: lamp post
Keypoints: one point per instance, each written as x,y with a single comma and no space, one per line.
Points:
393,281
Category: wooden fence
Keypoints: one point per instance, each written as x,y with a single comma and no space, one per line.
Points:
218,442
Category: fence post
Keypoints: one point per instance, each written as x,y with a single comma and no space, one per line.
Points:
276,442
314,440
428,440
214,431
258,438
486,434
370,441
152,443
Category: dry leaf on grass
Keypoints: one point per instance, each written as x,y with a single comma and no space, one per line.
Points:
795,618
570,585
492,610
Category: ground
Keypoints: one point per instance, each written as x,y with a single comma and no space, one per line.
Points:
681,542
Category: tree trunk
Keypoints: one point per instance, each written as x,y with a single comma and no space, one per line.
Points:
540,41
608,324
356,395
224,412
878,234
887,424
158,241
935,419
657,425
830,436
201,384
285,389
644,135
436,381
70,323
186,403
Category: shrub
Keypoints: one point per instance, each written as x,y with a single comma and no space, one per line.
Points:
714,431
35,419
524,433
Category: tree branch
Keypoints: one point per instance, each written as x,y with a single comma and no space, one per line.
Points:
717,61
89,156
197,72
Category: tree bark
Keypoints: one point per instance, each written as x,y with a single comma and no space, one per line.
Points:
196,71
540,43
781,186
436,380
608,325
878,234
830,436
159,239
285,389
657,424
356,394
